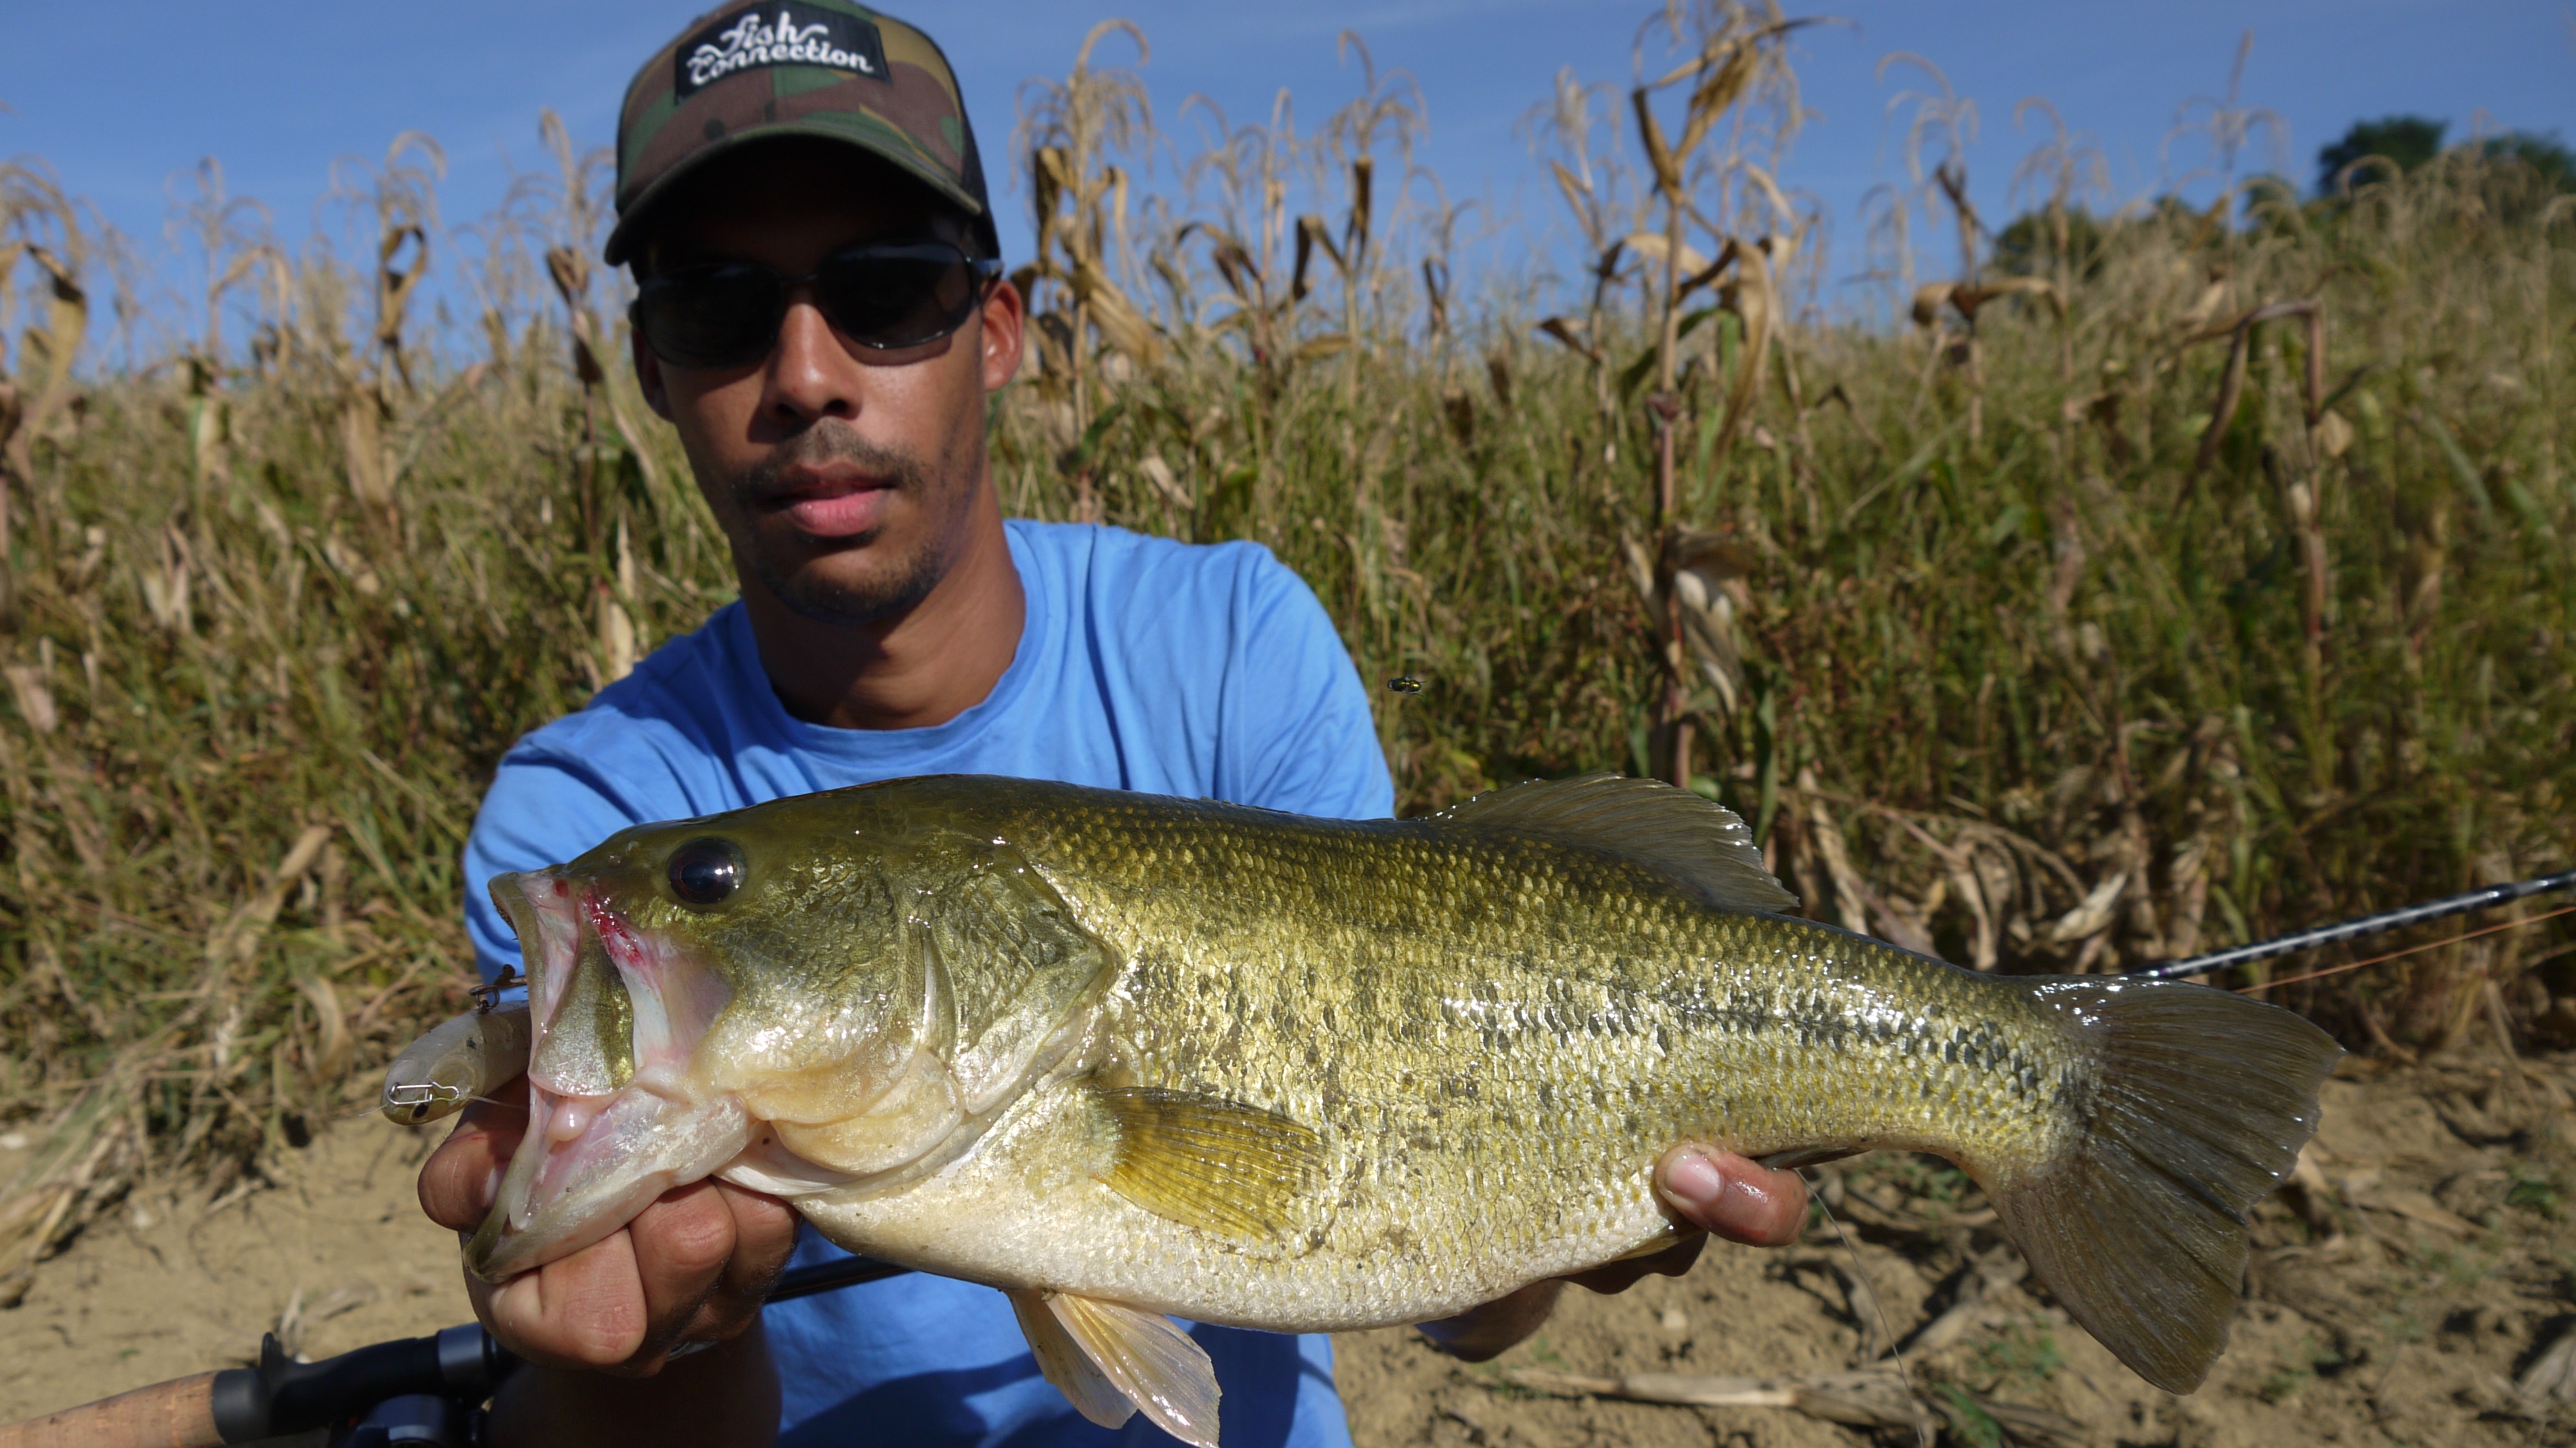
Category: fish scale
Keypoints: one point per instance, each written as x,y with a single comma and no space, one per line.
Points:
1580,968
1122,1055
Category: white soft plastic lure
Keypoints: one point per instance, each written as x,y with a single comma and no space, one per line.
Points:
456,1061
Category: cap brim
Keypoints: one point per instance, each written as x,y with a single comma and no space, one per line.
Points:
631,221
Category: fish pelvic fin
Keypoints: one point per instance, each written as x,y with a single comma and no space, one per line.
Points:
1704,845
1206,1162
1113,1361
2201,1102
1065,1364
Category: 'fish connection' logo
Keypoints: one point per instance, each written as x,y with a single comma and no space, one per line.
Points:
748,39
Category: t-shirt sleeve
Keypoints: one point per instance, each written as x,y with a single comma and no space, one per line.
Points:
543,809
1308,744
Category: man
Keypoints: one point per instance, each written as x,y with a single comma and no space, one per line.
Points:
821,316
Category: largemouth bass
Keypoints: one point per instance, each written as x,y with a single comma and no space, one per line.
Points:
1125,1056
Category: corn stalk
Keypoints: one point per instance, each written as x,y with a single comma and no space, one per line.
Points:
1739,55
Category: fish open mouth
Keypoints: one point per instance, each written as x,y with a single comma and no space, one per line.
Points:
617,1112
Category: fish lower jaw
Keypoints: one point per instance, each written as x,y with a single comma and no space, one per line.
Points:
589,1165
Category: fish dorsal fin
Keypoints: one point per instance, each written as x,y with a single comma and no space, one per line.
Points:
1704,845
1218,1165
1112,1361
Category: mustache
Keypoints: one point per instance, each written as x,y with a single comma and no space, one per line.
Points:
828,441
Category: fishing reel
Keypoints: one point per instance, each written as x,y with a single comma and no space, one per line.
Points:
422,1420
423,1391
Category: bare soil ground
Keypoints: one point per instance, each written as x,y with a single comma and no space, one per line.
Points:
332,1254
2424,1264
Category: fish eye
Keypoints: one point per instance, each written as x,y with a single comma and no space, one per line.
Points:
704,872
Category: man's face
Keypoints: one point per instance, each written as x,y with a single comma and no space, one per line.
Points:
845,478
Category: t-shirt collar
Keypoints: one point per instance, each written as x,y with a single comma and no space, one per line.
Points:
916,747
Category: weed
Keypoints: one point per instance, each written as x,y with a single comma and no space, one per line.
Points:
2297,1367
2460,1266
1969,1421
2535,1188
2026,1354
1932,1184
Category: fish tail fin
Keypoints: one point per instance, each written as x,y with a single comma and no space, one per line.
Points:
2199,1104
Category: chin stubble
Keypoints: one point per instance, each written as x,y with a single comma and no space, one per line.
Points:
901,582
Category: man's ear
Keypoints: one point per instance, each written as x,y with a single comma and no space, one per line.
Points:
648,376
1004,330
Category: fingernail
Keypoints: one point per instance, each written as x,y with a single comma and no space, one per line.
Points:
1693,1181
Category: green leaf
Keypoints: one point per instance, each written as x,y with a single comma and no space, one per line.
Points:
1087,451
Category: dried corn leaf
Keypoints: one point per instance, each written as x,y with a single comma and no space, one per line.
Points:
1573,334
1866,1398
1654,249
34,699
2091,917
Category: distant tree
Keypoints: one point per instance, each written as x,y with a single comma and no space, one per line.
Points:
2552,163
2410,141
2028,246
2271,203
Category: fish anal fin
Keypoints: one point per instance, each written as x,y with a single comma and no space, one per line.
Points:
1704,845
1219,1165
1066,1365
1806,1156
1146,1357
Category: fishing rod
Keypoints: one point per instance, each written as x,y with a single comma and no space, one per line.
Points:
2404,915
422,1391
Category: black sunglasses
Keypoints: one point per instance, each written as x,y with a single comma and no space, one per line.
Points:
882,296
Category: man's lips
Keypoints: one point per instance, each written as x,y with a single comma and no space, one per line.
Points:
833,506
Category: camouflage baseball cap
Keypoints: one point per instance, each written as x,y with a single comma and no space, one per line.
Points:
795,68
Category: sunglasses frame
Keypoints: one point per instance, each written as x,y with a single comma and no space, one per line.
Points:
981,271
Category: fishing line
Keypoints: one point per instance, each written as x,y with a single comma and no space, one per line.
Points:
1869,1289
2410,950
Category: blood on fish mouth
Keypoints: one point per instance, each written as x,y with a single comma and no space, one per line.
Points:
592,1159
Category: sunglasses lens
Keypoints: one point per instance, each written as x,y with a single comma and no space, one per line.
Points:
711,317
899,297
880,297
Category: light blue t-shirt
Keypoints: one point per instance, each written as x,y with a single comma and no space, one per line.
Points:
1145,664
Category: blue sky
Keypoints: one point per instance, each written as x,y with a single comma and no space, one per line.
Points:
122,99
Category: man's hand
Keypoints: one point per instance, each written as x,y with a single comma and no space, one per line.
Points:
1704,1187
692,1268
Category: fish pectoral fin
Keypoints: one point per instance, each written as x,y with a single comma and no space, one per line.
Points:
1206,1162
1066,1365
1113,1360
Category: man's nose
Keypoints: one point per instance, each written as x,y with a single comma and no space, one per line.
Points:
811,375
